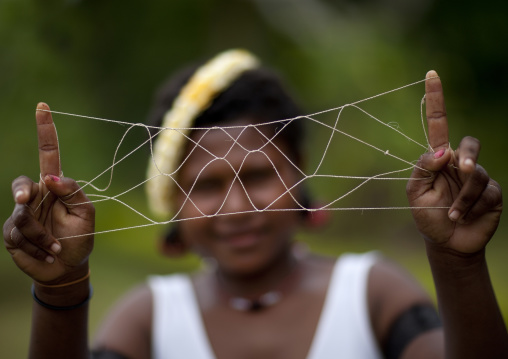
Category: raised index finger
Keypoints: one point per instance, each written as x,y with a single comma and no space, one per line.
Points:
436,112
49,154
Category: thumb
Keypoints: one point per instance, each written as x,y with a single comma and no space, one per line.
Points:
68,191
422,178
433,162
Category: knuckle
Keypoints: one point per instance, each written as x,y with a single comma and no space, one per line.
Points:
497,188
7,236
480,177
435,115
480,168
470,144
483,178
22,217
490,200
18,240
48,147
493,196
7,228
465,201
39,253
42,238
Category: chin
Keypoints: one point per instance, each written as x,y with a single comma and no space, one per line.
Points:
250,262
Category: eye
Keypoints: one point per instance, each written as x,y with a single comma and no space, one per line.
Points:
258,176
206,186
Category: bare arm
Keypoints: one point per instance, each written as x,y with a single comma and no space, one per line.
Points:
472,320
393,296
60,333
127,329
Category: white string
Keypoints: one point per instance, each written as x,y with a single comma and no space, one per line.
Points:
269,141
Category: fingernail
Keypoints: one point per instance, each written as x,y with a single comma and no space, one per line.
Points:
439,153
56,248
54,178
454,215
18,195
50,259
468,162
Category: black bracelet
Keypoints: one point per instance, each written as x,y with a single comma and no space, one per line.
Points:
70,307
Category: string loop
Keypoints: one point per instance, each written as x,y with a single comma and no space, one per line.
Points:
393,175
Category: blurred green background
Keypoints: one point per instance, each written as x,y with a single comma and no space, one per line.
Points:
105,58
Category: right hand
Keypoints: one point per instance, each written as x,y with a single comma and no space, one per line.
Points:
32,232
452,179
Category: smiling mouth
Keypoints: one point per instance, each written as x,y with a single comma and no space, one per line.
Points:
242,240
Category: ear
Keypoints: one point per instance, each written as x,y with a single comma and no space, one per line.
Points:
171,245
317,218
314,218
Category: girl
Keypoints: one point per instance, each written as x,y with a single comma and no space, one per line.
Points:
263,297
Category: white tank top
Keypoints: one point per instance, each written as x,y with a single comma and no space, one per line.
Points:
343,331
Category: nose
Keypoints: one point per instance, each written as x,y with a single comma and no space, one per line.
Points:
237,200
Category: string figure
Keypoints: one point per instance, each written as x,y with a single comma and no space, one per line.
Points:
152,132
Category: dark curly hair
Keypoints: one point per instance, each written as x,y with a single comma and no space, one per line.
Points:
257,94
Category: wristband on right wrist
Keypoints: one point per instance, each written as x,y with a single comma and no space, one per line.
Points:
60,308
65,284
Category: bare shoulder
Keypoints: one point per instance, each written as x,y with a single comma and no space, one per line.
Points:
391,292
392,287
127,328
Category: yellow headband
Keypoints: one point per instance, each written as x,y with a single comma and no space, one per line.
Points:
207,82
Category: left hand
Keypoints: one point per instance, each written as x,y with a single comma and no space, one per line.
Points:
47,211
452,179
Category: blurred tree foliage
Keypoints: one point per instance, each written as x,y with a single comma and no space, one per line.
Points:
105,58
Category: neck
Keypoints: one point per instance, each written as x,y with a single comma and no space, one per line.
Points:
269,284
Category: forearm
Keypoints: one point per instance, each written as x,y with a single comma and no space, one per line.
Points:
60,333
473,324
